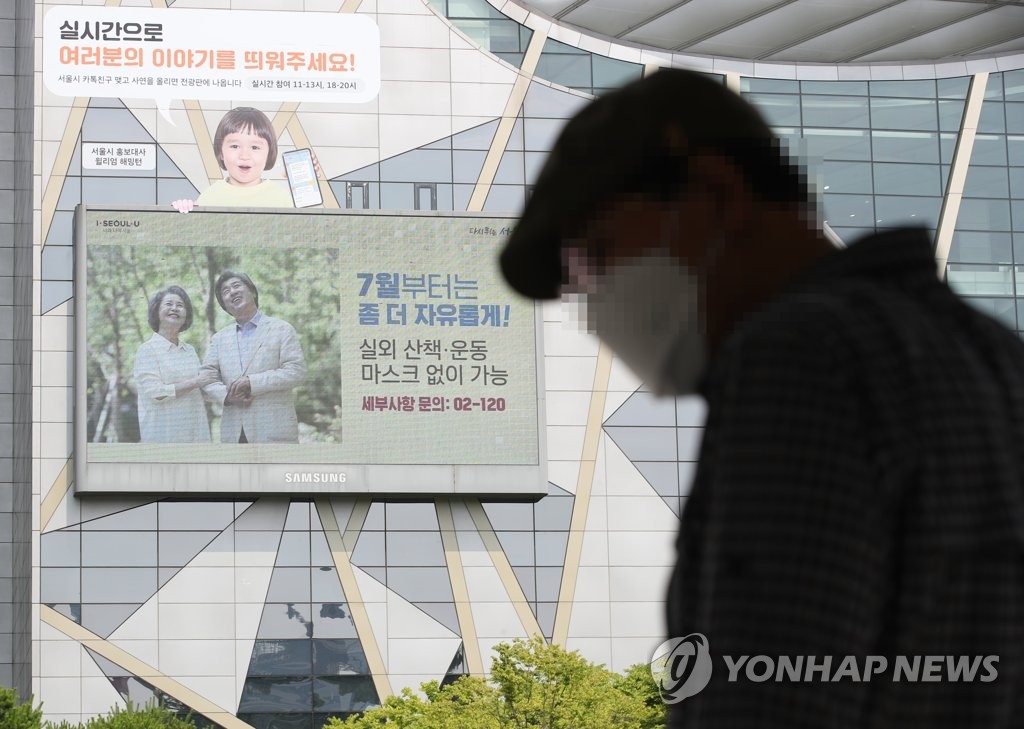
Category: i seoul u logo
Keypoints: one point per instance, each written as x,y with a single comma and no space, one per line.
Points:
681,667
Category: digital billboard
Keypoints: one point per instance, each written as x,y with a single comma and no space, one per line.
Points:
251,350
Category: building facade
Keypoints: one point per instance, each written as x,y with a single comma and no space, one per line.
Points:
281,610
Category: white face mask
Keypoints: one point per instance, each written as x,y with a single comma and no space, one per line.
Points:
647,310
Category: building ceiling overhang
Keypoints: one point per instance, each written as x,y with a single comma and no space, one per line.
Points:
802,31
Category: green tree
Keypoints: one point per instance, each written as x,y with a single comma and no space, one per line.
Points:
533,685
14,715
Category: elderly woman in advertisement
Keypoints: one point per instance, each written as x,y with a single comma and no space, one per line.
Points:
167,375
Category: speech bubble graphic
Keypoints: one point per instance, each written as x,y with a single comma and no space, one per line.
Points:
167,54
682,667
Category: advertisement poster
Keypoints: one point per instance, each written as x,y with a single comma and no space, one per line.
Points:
380,340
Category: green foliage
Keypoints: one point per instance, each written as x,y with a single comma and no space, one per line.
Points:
150,716
14,715
23,716
468,703
533,685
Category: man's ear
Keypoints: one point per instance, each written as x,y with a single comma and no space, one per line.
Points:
725,187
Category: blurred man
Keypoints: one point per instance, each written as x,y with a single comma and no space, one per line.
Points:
257,362
859,491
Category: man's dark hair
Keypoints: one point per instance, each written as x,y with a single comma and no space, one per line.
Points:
226,276
158,298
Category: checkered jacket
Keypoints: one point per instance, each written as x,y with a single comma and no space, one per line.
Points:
860,492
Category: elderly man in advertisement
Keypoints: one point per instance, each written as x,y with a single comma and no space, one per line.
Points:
258,362
859,495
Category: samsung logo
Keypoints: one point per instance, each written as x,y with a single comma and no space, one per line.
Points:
110,223
314,477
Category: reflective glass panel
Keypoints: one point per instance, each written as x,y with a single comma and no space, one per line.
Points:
277,694
905,210
835,111
896,146
281,658
981,247
777,109
343,693
970,279
986,182
907,179
339,657
904,114
849,144
981,214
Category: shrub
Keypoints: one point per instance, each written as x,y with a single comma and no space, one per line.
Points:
18,716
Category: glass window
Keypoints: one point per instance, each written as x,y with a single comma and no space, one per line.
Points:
843,88
981,247
947,146
969,279
338,657
100,549
980,214
1013,82
425,195
421,584
118,584
469,9
986,182
851,235
1015,150
993,118
286,620
289,584
893,210
953,88
413,166
989,149
344,693
612,73
281,658
1016,182
1015,117
848,210
410,516
904,114
566,69
326,585
277,694
835,111
891,146
907,179
919,88
333,620
770,85
851,144
357,195
846,176
61,549
1017,214
293,550
778,109
994,87
414,549
950,115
